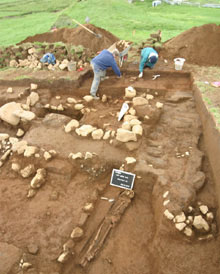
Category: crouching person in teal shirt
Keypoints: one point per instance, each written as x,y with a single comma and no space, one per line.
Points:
149,58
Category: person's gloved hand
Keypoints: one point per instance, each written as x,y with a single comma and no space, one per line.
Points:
140,75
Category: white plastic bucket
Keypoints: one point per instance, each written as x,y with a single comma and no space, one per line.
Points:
179,63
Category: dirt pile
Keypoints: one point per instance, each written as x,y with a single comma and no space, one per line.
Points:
77,36
198,45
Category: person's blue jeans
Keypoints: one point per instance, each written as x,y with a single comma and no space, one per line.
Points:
98,75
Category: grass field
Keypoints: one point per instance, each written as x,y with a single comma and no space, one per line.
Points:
22,18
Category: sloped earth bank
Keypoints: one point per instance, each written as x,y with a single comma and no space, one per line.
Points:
131,234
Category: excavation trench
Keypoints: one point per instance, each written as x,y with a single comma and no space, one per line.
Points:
176,170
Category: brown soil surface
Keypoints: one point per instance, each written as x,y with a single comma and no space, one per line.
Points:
198,45
130,235
77,36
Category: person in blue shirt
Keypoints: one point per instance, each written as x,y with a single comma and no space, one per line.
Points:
100,63
149,58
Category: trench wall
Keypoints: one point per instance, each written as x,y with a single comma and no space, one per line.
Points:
212,141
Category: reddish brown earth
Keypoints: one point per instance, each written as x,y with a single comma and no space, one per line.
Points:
198,45
77,36
130,235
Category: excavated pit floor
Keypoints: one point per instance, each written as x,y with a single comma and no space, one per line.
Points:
130,235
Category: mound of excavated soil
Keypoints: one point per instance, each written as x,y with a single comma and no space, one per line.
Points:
77,36
198,45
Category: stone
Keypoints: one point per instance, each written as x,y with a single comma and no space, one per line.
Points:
77,233
180,218
33,98
126,125
79,106
135,122
71,125
3,136
209,216
139,101
75,156
97,134
63,66
33,249
104,98
19,147
31,193
124,135
20,133
89,207
180,226
39,178
132,111
159,105
71,100
107,135
168,214
85,130
15,166
166,202
7,113
30,151
130,160
47,155
88,98
200,223
13,64
27,171
204,209
88,155
129,117
31,51
63,257
149,97
26,115
9,90
60,107
188,232
165,194
137,129
130,92
33,86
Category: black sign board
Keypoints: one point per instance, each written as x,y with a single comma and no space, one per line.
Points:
122,179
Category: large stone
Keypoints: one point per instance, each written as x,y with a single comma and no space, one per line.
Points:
139,101
180,218
124,135
3,136
71,125
130,160
168,214
135,122
9,255
79,106
200,223
130,92
30,151
7,113
88,98
27,171
19,147
33,98
97,134
137,129
26,115
85,130
39,178
126,125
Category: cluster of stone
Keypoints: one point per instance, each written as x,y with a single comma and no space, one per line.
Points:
196,222
29,55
